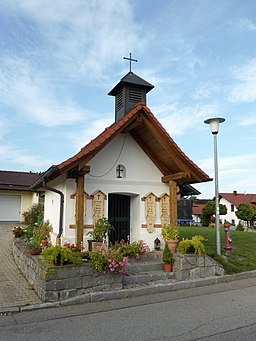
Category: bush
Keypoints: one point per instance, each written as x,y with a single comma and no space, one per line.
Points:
59,255
239,227
195,245
170,232
35,215
101,229
167,255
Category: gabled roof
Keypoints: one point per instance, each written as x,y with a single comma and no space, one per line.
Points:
197,209
239,198
17,181
149,134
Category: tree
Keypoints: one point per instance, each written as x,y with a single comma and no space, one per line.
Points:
209,210
247,213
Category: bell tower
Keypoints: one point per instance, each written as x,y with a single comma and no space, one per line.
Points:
128,92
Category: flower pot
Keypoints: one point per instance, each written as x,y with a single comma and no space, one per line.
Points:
172,244
97,245
44,243
34,251
167,267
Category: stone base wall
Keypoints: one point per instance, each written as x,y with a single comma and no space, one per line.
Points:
188,267
63,282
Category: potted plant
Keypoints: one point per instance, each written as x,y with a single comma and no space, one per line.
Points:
171,237
17,231
194,245
34,244
59,255
100,231
167,259
44,230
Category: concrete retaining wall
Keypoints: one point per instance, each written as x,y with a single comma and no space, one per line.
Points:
191,267
64,282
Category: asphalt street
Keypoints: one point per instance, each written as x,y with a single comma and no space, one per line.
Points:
218,312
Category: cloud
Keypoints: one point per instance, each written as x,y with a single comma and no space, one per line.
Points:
22,158
248,121
246,24
206,90
83,37
82,137
58,52
235,173
177,119
245,88
26,92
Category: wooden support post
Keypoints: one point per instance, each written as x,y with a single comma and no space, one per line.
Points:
173,203
79,209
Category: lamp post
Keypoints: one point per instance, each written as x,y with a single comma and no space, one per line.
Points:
214,126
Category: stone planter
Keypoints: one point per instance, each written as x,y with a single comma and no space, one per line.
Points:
64,281
187,267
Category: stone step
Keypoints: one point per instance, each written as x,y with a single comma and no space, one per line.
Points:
144,266
146,277
146,271
152,256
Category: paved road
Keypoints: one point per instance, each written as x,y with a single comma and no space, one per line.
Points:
14,288
218,312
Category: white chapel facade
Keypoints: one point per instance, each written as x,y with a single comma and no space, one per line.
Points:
132,174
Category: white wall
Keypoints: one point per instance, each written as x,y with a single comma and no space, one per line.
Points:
142,177
230,216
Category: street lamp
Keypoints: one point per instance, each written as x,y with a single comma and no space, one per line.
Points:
214,126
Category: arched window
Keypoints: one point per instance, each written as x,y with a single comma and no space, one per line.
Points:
120,172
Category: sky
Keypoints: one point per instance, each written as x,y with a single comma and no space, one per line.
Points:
59,59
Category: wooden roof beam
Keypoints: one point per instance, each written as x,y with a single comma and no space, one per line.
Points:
149,153
133,125
175,177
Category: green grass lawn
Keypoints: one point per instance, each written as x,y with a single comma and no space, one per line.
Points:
243,254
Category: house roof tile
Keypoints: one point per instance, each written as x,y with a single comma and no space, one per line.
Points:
17,181
197,209
239,198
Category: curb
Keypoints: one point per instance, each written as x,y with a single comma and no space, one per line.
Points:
133,292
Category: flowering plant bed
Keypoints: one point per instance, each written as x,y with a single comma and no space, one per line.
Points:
109,260
133,250
17,231
74,247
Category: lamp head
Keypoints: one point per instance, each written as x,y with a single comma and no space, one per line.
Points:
214,124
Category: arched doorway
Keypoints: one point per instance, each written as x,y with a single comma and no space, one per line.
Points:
119,217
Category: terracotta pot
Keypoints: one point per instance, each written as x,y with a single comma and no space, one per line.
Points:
44,243
34,251
167,267
98,245
172,244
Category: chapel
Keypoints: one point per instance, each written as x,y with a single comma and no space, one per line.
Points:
133,173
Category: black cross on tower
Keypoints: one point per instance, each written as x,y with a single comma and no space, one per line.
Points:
131,60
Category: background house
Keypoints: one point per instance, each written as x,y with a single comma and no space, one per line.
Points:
232,201
15,196
197,209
